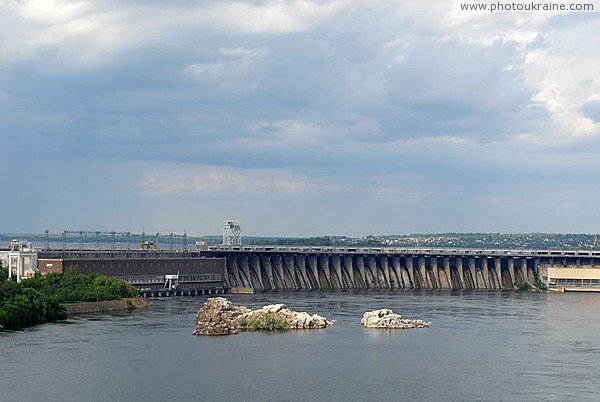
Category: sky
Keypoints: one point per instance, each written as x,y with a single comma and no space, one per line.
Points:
298,118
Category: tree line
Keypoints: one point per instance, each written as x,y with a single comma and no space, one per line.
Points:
41,298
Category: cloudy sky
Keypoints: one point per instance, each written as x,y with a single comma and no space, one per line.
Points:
298,118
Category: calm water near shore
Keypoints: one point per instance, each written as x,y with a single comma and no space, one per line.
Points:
482,346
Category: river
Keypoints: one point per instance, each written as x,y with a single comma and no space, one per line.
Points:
482,346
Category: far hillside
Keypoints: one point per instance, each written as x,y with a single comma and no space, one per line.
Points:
551,241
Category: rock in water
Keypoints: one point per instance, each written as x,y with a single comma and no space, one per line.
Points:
219,316
386,318
295,320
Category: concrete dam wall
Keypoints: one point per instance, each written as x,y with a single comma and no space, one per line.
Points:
308,271
264,268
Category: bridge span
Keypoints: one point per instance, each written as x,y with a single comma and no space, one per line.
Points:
264,268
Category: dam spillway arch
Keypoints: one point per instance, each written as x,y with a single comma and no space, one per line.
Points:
285,268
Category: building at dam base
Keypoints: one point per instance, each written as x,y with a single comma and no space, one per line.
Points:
153,273
582,279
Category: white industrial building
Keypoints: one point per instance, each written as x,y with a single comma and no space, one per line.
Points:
20,259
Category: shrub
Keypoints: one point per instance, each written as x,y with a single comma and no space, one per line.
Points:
265,322
535,286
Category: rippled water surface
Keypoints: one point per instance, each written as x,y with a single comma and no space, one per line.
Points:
482,346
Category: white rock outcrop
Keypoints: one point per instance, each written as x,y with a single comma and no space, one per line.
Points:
296,320
386,318
219,316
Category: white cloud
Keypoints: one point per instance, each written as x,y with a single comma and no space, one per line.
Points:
191,180
243,53
394,194
96,33
554,59
240,62
551,57
563,81
48,11
269,17
287,134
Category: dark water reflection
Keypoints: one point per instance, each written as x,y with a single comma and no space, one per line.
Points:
482,346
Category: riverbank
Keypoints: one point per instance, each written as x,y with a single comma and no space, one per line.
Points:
106,306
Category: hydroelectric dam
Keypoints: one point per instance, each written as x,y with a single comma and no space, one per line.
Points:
214,269
313,268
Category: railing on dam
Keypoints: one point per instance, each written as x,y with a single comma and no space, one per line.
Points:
404,250
94,253
160,279
114,254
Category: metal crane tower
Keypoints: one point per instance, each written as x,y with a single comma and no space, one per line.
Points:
232,233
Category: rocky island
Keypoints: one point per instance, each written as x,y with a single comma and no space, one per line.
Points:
219,316
386,318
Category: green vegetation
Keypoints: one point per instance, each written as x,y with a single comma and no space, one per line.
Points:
3,273
265,322
21,306
71,286
39,299
534,287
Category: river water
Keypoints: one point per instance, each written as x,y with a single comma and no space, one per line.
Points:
482,346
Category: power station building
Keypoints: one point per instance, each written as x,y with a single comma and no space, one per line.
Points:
20,259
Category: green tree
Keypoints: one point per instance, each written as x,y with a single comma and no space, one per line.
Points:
39,299
8,289
3,273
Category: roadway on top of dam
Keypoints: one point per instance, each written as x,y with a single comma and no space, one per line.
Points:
243,249
404,250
